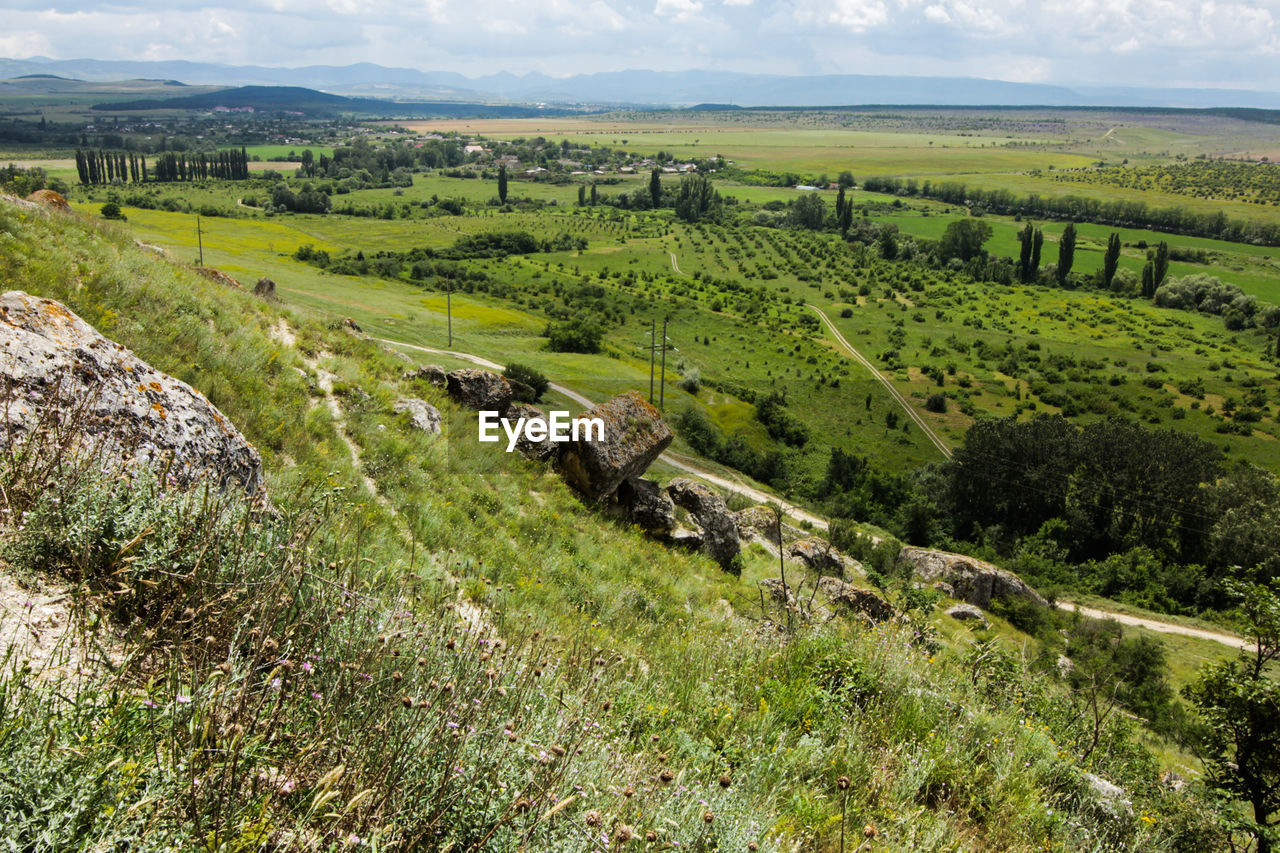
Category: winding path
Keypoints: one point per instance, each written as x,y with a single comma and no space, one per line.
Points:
675,265
687,465
893,392
674,460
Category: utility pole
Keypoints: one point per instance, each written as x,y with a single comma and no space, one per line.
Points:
199,239
662,386
448,303
653,343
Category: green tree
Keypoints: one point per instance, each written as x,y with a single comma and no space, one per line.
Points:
964,239
1239,701
1148,280
1161,265
1066,252
502,184
809,211
845,179
1111,260
696,199
582,195
1037,243
655,187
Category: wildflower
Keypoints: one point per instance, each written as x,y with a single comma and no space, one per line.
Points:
522,805
624,833
628,792
708,816
666,776
725,781
662,758
870,831
593,818
182,700
752,846
558,750
307,667
651,836
843,783
397,676
407,701
269,646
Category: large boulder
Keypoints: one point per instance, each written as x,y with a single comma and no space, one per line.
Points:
817,555
50,199
968,613
757,521
647,506
479,389
537,450
719,530
432,373
634,435
422,415
973,580
266,288
861,601
55,359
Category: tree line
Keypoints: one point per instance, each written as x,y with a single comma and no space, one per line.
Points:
108,167
1119,213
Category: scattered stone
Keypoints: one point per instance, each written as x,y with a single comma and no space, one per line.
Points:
945,588
720,532
686,538
862,601
479,390
218,277
1172,780
537,450
757,521
817,555
432,373
968,612
1110,796
1064,665
647,505
973,580
634,435
55,359
422,415
51,200
266,288
778,592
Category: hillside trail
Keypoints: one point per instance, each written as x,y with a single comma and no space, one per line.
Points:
893,392
675,264
1155,625
282,334
679,462
690,467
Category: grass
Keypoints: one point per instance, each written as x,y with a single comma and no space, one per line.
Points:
649,660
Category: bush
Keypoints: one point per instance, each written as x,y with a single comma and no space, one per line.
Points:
576,335
846,313
692,381
530,377
936,403
111,210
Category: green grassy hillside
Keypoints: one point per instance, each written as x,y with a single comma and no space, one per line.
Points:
470,657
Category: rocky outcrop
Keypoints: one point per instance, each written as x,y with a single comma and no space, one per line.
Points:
422,415
776,591
57,362
51,200
757,521
647,506
218,277
968,613
973,580
852,598
634,435
266,288
432,373
719,530
479,390
818,556
537,450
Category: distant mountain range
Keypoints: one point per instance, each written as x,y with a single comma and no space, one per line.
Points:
645,88
323,104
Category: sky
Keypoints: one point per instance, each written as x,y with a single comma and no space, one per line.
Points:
1120,42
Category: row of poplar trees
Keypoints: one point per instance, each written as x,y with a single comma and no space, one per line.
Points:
105,167
1031,240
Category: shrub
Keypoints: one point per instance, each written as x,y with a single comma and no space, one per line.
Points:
111,210
936,403
527,376
576,335
692,381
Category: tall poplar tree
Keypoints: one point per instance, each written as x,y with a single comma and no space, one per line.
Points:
1066,252
502,184
1111,260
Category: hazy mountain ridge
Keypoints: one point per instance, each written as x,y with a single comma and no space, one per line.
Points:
648,87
